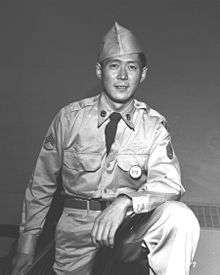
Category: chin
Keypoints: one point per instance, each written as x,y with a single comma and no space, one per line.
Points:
120,99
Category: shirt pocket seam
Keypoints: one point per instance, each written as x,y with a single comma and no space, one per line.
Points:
89,162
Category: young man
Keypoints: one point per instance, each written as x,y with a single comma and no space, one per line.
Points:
116,159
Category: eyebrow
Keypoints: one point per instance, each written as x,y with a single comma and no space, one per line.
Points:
118,60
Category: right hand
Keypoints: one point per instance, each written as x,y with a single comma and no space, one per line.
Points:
108,221
21,262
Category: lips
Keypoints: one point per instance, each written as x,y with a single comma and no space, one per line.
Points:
121,86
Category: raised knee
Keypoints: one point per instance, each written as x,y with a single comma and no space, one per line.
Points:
180,216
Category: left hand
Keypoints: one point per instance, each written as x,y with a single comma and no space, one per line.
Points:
107,223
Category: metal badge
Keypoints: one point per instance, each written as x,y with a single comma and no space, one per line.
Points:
135,172
103,113
128,116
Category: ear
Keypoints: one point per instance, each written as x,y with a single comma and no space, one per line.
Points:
143,74
98,70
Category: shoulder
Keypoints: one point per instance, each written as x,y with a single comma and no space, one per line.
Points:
81,104
73,108
150,113
69,112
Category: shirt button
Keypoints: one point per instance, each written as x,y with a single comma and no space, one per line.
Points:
103,113
108,164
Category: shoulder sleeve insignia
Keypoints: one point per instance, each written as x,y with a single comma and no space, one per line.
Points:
165,124
49,142
169,150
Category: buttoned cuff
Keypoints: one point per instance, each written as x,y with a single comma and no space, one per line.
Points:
147,201
27,243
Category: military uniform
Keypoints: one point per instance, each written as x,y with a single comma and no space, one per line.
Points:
141,165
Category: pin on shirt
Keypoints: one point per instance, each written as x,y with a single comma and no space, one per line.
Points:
135,172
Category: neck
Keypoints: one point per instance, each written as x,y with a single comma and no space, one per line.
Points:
117,106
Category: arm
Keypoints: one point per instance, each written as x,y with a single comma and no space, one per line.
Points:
163,175
40,190
163,183
107,223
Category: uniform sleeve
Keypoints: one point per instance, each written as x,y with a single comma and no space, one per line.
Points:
163,175
41,187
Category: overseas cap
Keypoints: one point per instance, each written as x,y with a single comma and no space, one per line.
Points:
118,41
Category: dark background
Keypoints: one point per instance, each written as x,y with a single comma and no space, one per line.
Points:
48,52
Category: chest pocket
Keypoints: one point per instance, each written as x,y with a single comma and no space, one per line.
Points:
126,161
82,161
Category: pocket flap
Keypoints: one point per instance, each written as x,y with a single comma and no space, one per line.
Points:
126,161
83,162
90,162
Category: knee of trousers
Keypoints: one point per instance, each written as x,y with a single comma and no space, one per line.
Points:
180,217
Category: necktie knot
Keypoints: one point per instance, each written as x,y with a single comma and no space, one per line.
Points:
115,117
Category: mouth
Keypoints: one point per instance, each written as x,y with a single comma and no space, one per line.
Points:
121,86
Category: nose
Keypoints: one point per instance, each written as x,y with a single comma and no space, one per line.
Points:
122,74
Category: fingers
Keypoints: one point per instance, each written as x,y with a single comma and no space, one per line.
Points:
20,269
111,235
106,224
17,266
98,233
21,262
94,232
103,233
105,238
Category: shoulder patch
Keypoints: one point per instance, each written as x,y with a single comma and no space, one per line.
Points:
165,124
49,142
169,150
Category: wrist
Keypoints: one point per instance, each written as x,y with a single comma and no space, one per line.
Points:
27,244
124,201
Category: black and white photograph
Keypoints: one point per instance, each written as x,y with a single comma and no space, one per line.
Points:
110,137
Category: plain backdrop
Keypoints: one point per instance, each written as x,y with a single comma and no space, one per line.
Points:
48,51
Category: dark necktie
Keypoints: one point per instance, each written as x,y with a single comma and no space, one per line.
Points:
110,130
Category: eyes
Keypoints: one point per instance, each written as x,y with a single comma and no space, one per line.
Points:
113,65
116,66
133,67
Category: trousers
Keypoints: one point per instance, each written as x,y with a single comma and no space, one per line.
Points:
171,234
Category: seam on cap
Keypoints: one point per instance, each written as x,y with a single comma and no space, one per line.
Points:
119,39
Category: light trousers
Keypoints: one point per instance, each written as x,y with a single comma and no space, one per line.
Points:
172,234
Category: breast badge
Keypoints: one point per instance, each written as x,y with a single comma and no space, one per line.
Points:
135,172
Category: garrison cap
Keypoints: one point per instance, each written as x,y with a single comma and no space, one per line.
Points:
118,41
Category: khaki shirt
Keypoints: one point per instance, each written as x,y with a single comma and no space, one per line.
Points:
75,147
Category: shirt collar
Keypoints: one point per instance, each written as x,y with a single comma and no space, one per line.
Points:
141,105
105,110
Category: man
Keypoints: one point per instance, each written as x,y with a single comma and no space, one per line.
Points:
116,159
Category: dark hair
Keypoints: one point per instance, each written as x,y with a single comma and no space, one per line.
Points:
143,59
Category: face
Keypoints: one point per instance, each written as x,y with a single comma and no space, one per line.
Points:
121,76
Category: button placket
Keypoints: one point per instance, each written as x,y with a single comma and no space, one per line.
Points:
107,172
110,161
